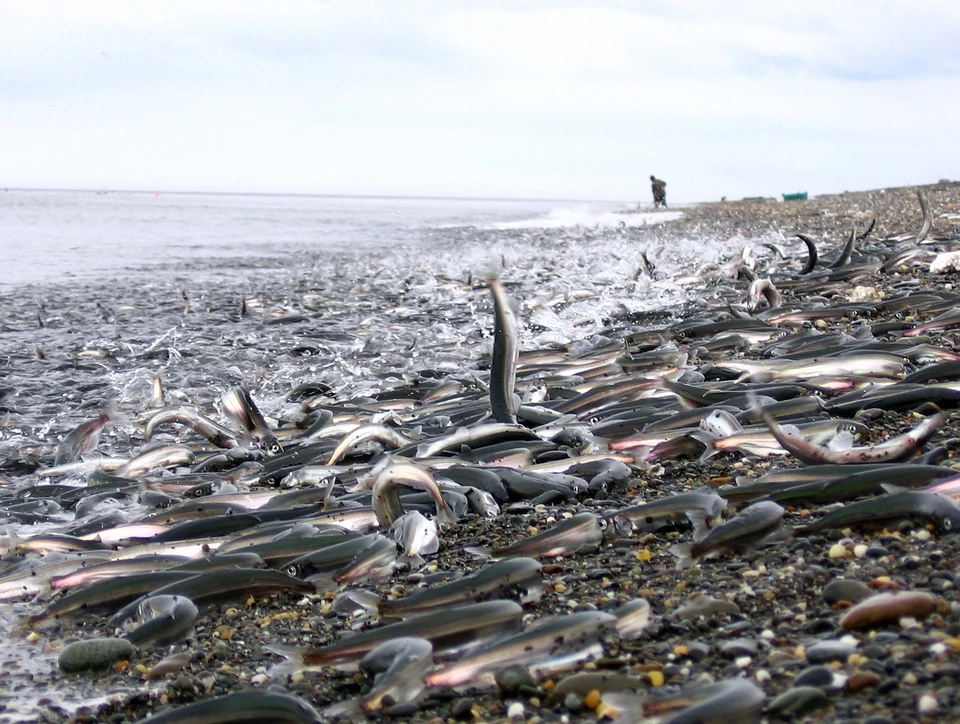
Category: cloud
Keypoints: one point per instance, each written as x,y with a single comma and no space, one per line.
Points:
480,98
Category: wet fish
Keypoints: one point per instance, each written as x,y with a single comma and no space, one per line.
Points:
892,450
582,531
244,706
504,402
567,636
514,577
386,497
416,534
752,526
160,621
238,403
457,628
398,667
703,508
938,509
84,438
192,418
382,434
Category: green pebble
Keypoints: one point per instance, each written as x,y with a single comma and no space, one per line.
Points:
93,654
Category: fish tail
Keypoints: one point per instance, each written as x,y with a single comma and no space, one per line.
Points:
701,526
683,552
293,663
709,443
479,551
365,602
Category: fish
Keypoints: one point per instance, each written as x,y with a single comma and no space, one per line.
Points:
84,438
570,637
519,578
892,450
504,402
456,628
380,433
938,509
398,667
416,534
238,403
386,498
754,525
582,531
213,431
702,507
160,621
252,705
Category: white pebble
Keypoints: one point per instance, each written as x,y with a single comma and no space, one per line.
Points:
743,661
259,679
838,550
927,704
768,634
762,675
922,534
938,649
515,711
860,550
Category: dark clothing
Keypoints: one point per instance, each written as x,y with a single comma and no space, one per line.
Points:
659,188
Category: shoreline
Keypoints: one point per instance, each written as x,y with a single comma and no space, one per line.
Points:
776,589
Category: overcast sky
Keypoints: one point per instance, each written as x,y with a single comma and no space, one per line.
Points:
538,99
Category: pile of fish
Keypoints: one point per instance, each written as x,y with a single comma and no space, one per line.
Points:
210,508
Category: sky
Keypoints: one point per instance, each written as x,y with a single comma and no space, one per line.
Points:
514,99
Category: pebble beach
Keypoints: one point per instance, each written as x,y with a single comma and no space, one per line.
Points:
400,341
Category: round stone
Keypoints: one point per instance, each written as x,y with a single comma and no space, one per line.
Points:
95,654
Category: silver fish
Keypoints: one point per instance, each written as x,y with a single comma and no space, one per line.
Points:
416,534
386,498
504,402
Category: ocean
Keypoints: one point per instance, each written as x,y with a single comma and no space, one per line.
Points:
55,236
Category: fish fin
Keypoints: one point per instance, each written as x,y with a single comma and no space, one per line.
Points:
350,602
479,551
324,582
445,516
293,663
708,440
683,553
892,488
701,525
842,440
412,561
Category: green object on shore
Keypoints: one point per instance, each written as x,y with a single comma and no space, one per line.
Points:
95,654
799,196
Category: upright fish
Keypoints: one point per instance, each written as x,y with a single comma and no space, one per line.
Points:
84,438
504,402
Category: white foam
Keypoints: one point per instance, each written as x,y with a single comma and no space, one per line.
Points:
590,218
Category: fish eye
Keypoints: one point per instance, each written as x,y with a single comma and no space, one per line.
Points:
947,524
603,523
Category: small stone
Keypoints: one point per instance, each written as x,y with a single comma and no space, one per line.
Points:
574,702
830,650
927,704
462,709
862,679
799,701
511,678
821,677
860,550
846,589
838,550
592,699
655,678
739,647
887,608
94,654
33,637
515,710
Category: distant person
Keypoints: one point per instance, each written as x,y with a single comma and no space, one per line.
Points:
659,187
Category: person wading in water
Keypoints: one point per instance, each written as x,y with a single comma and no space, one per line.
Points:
659,192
